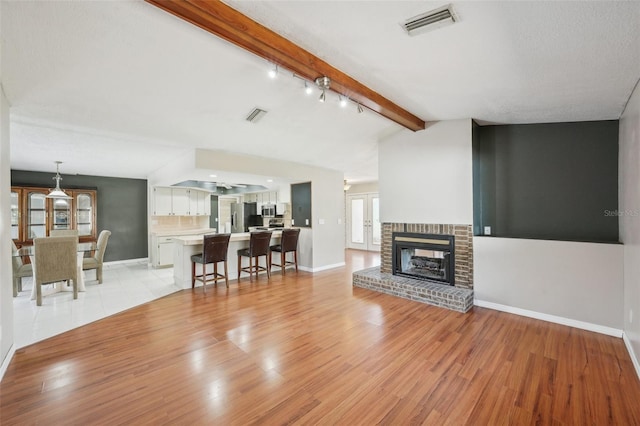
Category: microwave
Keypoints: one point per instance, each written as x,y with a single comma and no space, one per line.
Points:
268,210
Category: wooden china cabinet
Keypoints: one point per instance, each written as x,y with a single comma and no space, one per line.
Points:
34,215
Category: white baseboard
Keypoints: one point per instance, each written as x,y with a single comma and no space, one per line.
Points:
609,331
7,361
632,354
321,268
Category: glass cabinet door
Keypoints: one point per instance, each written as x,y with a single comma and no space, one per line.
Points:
61,213
36,215
85,214
15,214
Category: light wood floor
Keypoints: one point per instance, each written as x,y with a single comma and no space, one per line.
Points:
311,349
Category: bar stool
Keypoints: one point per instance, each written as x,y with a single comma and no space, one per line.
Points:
214,250
258,246
288,243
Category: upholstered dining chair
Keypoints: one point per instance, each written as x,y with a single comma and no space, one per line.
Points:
258,246
288,244
214,250
56,260
96,261
20,270
63,232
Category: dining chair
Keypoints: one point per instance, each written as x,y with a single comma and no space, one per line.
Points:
55,260
63,232
20,270
288,244
96,261
214,250
258,246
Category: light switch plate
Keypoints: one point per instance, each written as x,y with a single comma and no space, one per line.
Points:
306,222
487,230
320,221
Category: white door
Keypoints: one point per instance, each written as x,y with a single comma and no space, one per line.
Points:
363,222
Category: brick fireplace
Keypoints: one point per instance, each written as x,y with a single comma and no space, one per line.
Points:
458,297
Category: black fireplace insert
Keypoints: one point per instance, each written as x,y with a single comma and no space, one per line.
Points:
424,256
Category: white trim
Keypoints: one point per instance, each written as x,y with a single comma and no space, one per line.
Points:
632,354
609,331
7,361
321,268
127,261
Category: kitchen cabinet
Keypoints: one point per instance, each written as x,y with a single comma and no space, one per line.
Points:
162,251
33,215
200,203
177,201
268,197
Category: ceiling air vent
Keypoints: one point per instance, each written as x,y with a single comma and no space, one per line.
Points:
430,20
255,115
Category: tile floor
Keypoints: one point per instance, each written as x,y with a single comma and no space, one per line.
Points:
124,286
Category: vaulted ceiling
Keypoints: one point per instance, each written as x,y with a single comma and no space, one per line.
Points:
120,88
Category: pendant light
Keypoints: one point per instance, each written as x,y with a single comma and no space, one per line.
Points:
57,192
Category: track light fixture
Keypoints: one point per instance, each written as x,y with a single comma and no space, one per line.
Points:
342,100
307,89
360,110
322,96
323,84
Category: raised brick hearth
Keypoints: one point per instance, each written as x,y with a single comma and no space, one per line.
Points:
458,298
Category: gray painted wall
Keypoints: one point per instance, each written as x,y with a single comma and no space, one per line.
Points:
122,208
555,181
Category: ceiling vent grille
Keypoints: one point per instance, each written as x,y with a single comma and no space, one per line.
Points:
430,20
255,115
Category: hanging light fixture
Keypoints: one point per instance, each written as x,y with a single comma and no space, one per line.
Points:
57,192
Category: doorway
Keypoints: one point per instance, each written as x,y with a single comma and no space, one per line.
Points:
363,222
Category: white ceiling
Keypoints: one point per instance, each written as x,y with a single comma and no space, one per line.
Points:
120,88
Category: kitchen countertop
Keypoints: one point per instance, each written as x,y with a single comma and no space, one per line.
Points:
200,232
192,240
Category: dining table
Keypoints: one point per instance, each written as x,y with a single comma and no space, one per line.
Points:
29,251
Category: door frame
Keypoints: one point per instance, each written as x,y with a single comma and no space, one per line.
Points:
368,243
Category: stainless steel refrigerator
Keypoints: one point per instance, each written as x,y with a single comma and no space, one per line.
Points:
242,216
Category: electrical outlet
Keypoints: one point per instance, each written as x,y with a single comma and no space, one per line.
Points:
306,222
320,221
339,221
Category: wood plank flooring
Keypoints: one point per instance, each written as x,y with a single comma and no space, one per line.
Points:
311,349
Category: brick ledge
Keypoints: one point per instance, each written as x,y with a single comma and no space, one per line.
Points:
455,298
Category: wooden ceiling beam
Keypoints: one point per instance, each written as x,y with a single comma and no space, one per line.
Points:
231,25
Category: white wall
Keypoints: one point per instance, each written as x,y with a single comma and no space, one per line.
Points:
6,292
576,281
320,247
363,188
629,193
426,176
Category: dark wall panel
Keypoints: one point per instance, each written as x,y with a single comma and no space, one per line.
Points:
301,204
122,208
554,181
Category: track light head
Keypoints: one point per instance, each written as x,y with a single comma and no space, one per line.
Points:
322,96
360,110
273,72
343,101
307,89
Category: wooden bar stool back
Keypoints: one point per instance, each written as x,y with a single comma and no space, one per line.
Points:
288,244
214,250
258,246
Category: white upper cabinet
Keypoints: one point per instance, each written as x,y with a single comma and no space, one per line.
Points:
181,202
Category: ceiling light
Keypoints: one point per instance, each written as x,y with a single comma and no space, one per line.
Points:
324,83
57,192
269,180
273,72
307,89
360,110
346,185
213,175
343,101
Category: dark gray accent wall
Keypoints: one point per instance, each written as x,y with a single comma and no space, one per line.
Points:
301,204
556,181
122,208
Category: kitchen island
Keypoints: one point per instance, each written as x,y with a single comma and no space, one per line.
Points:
186,246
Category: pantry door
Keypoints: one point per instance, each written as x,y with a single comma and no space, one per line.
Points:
363,222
